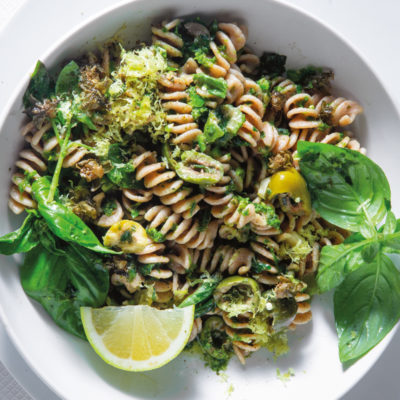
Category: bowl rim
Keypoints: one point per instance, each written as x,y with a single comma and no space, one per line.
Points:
100,14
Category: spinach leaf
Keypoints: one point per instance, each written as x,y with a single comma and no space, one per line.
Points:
68,79
62,283
62,221
22,240
40,86
347,188
203,292
367,306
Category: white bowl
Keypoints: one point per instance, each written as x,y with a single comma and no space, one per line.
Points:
67,364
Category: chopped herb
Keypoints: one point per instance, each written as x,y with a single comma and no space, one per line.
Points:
284,131
109,207
126,237
157,236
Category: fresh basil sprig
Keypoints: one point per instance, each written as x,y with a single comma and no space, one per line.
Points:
62,221
64,280
351,191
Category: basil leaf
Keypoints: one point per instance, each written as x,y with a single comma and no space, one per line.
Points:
391,242
390,224
40,86
22,240
68,79
204,307
64,282
367,306
347,188
62,221
203,292
370,251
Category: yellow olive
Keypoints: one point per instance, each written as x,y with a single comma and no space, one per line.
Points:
292,183
128,235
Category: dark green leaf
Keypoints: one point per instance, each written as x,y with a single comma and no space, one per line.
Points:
22,240
391,242
272,64
123,175
390,224
367,306
203,292
370,251
258,266
347,188
204,307
338,261
64,282
40,86
68,79
156,235
62,221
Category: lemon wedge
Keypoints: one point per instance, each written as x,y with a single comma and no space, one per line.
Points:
137,338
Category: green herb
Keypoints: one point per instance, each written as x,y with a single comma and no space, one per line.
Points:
312,78
145,269
68,79
40,86
122,175
204,307
156,235
272,64
367,306
259,267
284,131
23,239
134,213
109,207
204,219
126,237
214,86
347,188
202,293
199,110
264,84
62,221
62,282
351,191
269,212
202,59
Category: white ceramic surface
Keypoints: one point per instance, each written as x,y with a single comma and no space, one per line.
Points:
67,364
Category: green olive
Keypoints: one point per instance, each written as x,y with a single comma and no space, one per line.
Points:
237,295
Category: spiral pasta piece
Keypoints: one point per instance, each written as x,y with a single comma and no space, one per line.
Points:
223,258
181,123
164,184
20,191
181,230
168,40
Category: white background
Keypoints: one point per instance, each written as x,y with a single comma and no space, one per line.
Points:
372,27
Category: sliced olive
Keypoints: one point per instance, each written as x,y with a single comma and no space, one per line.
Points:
237,295
292,183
